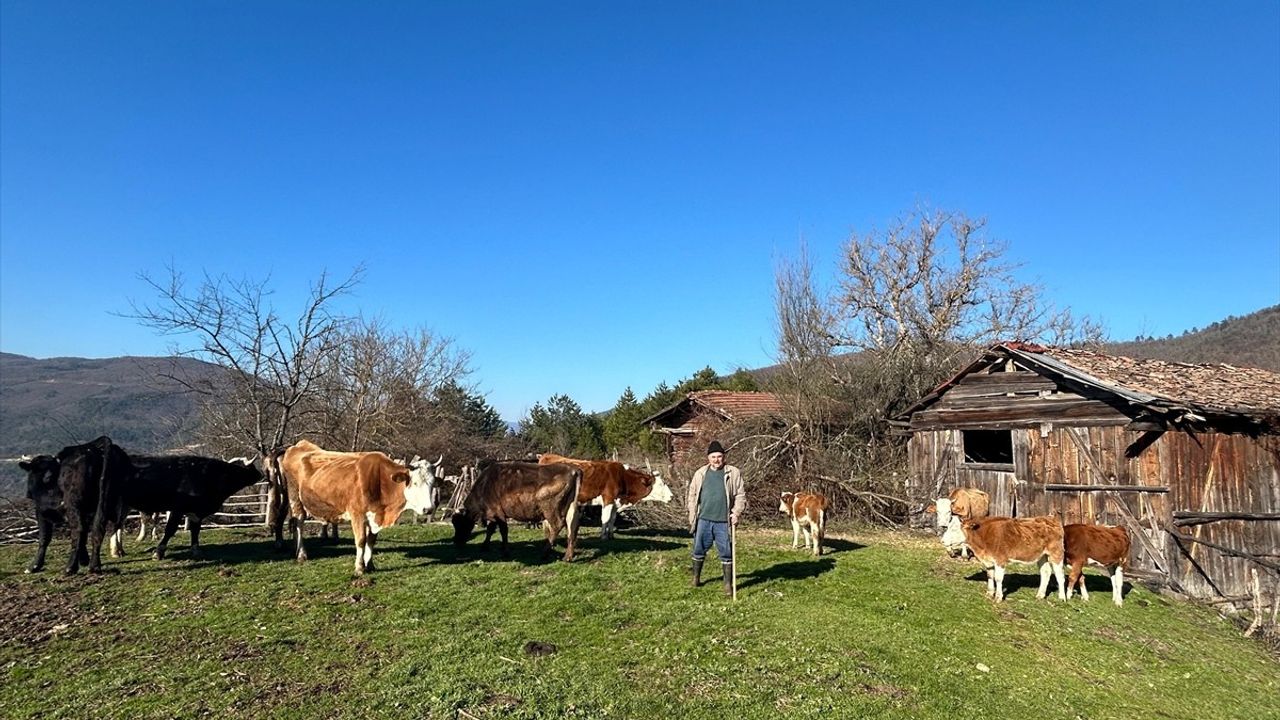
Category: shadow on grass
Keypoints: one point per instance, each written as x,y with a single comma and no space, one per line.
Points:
800,570
1030,580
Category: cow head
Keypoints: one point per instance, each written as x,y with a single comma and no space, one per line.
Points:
464,526
422,494
784,503
953,538
645,487
943,507
42,479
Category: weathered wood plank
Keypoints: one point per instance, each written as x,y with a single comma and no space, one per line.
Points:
1070,487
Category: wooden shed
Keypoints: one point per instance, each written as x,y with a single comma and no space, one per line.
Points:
697,419
1186,456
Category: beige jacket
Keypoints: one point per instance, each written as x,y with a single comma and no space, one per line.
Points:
733,488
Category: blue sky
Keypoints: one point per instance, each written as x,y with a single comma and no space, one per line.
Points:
593,195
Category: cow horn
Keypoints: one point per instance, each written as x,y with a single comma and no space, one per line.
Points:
439,459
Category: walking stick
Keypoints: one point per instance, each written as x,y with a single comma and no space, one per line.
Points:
733,553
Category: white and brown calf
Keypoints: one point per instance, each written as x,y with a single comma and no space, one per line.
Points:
808,513
1106,545
997,541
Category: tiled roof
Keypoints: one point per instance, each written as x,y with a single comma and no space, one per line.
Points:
730,404
1214,387
738,405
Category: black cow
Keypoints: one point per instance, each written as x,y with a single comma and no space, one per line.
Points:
520,491
184,485
82,485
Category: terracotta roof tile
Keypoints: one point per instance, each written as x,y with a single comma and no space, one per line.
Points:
1210,386
738,405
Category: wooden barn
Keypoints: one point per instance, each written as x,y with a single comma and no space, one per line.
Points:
1186,456
702,415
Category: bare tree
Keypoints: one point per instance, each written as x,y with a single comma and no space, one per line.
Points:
379,385
271,365
913,303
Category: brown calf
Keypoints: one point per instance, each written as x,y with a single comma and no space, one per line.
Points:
997,541
808,512
1105,545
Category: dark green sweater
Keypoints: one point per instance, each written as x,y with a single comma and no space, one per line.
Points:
713,503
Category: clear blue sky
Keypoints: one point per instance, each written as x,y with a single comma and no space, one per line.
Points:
591,195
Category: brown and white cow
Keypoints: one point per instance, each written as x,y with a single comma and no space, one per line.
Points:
367,488
808,512
962,504
997,541
612,485
524,492
1104,544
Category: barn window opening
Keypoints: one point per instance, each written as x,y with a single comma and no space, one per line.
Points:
988,446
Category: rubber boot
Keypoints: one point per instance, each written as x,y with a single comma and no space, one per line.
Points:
697,573
728,578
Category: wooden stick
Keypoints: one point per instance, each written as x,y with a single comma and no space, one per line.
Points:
1229,551
733,553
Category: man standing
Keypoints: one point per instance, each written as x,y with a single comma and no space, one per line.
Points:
713,488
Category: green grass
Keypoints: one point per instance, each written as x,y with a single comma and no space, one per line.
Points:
882,627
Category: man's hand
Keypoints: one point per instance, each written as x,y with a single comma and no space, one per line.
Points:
733,518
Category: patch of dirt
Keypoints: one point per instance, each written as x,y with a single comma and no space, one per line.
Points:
34,615
534,648
500,701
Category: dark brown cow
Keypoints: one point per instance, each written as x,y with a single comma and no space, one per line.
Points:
367,488
524,492
808,512
613,486
1103,544
997,541
81,485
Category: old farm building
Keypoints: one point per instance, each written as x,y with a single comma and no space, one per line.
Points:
1186,456
690,424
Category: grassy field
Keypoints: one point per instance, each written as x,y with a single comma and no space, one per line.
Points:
882,627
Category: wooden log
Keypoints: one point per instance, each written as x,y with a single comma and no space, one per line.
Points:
1183,518
1072,487
1228,550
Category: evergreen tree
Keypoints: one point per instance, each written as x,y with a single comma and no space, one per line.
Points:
561,427
622,426
469,410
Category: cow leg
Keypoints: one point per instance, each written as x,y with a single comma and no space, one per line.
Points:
999,597
1045,571
194,524
79,537
1073,579
608,515
299,552
170,527
369,542
502,531
1117,586
821,535
991,582
45,528
360,533
571,541
1057,574
795,533
116,543
489,527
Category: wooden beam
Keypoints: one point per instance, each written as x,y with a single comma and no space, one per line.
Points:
1069,487
1182,518
1228,550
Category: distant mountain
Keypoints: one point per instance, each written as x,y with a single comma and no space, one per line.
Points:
1250,341
46,404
